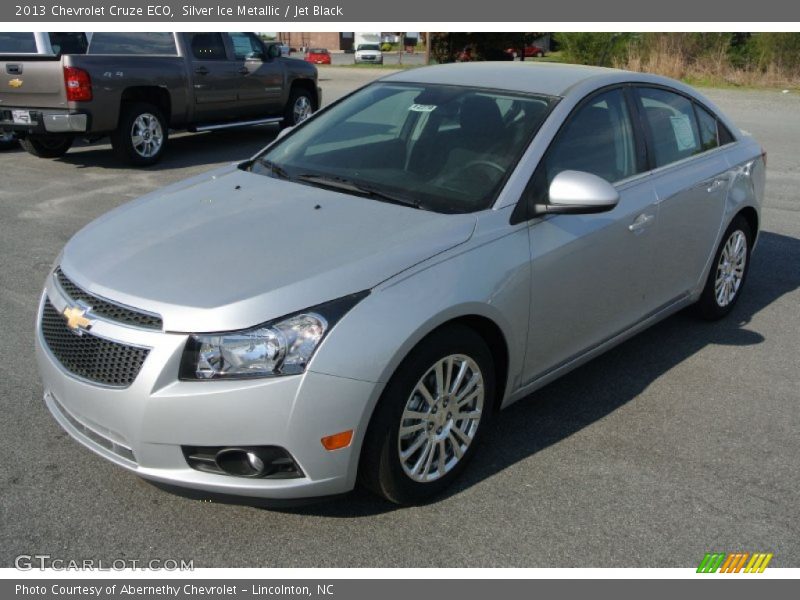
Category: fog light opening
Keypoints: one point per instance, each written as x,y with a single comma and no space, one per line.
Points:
240,462
337,440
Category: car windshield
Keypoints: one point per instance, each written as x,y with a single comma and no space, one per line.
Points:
438,147
369,47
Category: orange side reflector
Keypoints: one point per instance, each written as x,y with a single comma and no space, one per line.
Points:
337,440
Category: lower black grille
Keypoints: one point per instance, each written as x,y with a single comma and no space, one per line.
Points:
89,356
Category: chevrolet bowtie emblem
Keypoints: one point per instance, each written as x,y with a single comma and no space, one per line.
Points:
15,83
76,319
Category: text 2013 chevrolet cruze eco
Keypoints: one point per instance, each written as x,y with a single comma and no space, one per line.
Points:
354,303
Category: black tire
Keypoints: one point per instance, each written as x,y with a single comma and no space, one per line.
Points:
540,54
290,115
8,141
122,139
47,146
709,306
380,468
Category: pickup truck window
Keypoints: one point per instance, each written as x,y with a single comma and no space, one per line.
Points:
17,43
207,46
156,42
245,45
69,43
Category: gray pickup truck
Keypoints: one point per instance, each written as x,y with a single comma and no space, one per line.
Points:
135,87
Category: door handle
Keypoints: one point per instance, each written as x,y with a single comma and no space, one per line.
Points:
641,222
712,186
201,71
244,70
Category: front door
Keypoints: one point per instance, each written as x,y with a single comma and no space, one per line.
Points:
260,83
590,273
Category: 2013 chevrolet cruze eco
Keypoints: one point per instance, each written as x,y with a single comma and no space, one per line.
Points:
356,301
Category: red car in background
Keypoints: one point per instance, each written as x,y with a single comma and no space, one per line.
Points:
530,51
318,56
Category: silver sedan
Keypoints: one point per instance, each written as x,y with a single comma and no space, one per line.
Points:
355,303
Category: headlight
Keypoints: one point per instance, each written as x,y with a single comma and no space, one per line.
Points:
280,347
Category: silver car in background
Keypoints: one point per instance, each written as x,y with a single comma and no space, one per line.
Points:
355,302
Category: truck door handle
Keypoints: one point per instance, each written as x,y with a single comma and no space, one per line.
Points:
201,71
640,222
244,70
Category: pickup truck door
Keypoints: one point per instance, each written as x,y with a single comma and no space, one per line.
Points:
261,78
215,78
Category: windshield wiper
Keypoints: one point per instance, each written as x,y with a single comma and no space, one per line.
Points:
346,185
273,168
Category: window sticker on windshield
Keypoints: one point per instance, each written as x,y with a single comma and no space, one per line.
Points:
684,135
425,108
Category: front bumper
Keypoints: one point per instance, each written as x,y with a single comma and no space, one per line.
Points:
143,427
44,121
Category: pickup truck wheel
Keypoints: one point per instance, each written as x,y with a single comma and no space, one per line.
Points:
47,146
299,107
141,135
7,140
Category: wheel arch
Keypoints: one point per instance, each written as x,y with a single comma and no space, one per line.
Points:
307,85
751,216
152,94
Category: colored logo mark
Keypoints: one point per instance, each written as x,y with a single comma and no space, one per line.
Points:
739,562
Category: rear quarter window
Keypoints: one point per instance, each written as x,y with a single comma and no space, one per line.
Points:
17,43
157,42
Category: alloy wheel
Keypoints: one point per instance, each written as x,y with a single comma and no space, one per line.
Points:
147,136
302,109
730,268
441,418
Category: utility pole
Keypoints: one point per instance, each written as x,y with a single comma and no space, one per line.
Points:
427,47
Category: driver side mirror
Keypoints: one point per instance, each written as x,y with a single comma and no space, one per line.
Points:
579,193
273,51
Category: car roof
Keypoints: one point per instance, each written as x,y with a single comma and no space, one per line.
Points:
550,79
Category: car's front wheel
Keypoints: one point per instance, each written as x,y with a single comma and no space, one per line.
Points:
430,417
299,107
728,272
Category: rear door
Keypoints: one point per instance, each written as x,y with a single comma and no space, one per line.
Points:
261,78
590,273
215,78
691,180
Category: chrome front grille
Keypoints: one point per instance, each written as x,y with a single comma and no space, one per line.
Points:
108,310
88,356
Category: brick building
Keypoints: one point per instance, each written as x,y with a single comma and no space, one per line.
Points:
332,40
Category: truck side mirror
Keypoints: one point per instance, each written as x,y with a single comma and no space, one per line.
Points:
273,51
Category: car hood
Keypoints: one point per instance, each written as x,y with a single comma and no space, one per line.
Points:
230,249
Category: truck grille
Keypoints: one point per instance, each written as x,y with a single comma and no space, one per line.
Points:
108,310
88,356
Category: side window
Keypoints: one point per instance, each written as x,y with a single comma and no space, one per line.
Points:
597,139
245,46
707,123
130,43
672,124
207,46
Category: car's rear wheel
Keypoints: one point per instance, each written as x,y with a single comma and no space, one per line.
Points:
728,272
47,146
141,135
430,417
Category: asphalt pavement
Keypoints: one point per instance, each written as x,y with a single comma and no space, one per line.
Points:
683,440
